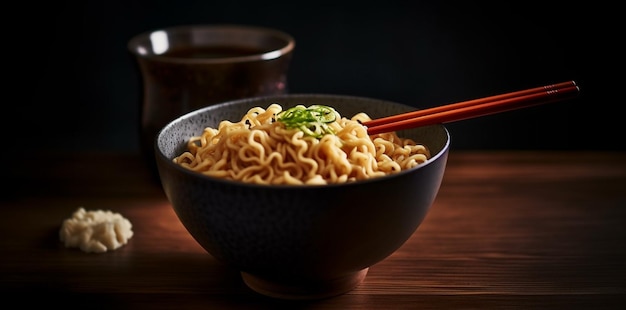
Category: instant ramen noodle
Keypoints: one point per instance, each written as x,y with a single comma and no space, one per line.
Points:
312,145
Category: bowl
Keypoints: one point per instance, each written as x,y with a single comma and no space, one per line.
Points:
300,241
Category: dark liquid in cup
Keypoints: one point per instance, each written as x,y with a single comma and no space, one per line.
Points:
213,52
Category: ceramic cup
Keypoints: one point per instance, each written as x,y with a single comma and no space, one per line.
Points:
184,68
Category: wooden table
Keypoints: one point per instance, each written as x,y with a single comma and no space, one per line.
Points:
508,229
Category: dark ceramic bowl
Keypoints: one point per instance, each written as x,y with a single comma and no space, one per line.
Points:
294,241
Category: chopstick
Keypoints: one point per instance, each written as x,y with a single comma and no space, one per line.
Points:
474,108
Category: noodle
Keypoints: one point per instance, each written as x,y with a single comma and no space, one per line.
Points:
261,149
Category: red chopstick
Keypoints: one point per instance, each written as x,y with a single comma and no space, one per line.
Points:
474,108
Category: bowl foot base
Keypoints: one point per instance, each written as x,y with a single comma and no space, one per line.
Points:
304,290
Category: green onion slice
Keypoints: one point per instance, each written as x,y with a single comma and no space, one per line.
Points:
313,121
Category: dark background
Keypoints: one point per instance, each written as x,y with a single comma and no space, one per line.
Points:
76,87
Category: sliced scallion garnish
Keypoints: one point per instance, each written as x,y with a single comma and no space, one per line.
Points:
313,121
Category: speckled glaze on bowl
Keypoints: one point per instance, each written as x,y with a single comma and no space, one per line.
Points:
300,242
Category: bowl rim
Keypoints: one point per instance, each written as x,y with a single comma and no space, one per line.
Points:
161,157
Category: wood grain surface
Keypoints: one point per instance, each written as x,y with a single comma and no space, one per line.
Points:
527,230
